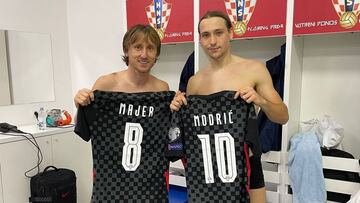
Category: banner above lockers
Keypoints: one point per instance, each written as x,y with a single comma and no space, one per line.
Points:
251,18
172,19
323,16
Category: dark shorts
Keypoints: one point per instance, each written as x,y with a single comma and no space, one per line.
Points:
256,175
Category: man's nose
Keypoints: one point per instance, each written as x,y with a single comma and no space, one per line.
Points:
212,40
144,52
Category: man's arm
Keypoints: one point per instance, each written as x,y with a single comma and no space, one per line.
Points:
265,96
271,103
191,87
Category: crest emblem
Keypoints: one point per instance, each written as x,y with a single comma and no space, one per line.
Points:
158,14
240,12
174,133
348,12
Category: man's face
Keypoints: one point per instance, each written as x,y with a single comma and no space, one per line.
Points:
142,55
214,37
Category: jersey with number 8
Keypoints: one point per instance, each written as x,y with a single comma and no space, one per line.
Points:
128,134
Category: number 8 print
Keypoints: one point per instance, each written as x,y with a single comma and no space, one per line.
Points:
131,154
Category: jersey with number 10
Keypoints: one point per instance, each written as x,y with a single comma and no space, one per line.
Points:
214,130
129,134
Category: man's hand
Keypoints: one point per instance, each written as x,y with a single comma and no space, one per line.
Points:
249,95
178,101
83,97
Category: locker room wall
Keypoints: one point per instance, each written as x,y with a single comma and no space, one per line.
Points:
96,49
47,17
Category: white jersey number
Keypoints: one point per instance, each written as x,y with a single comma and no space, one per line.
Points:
131,154
225,157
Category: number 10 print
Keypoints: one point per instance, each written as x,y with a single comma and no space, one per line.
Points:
225,157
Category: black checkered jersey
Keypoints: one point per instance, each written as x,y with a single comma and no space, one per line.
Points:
129,135
215,129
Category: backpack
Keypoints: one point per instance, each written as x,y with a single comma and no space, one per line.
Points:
55,186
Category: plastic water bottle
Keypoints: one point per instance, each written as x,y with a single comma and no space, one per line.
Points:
42,119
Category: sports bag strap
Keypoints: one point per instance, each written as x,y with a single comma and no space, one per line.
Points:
48,167
40,199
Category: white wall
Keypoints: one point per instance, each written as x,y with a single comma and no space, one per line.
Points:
171,62
96,30
31,69
330,81
41,16
5,98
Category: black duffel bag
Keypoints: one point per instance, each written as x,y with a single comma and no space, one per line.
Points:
55,186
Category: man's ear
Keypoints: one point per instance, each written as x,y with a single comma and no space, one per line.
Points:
126,51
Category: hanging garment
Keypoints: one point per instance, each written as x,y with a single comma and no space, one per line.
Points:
329,132
305,169
187,72
270,132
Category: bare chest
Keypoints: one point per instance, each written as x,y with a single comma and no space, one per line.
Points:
130,88
212,83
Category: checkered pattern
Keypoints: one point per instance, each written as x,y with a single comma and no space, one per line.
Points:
165,15
106,126
230,6
198,189
340,7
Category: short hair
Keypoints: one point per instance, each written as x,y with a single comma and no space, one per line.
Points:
219,14
134,33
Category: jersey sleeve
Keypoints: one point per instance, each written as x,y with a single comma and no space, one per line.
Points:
84,115
252,135
175,146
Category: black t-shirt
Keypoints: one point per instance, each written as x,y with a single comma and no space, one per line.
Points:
129,135
214,131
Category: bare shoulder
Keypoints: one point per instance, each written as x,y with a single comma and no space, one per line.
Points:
203,72
106,82
191,86
258,72
251,67
250,63
257,65
160,85
258,68
195,81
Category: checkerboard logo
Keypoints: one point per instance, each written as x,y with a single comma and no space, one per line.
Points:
158,14
240,12
348,12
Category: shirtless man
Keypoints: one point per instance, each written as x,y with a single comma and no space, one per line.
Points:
141,47
250,79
